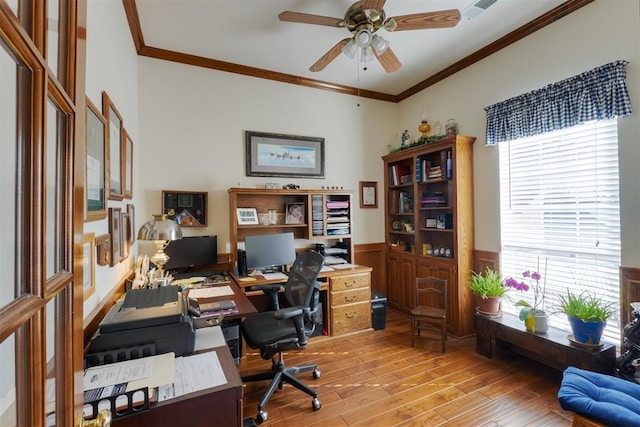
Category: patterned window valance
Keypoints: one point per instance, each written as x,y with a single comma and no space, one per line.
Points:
597,94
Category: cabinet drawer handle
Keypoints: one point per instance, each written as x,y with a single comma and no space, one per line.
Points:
351,298
348,285
351,315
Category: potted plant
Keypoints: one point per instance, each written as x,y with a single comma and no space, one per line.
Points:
533,315
489,289
587,315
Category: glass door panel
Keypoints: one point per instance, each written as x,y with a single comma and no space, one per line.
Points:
8,413
13,132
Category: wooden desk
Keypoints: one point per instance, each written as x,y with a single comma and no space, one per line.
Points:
553,348
221,405
345,297
245,307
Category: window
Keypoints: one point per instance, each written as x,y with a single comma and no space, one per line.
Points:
560,214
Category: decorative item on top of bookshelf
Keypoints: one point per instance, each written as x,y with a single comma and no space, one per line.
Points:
270,154
96,185
368,194
187,208
247,216
452,128
295,213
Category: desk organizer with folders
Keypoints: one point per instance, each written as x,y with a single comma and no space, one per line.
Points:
147,316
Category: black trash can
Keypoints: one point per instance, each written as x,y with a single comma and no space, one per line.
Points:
378,310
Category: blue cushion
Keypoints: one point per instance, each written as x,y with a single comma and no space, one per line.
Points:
604,398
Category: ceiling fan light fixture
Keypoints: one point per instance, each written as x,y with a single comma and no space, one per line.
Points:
379,44
350,49
366,55
363,38
390,25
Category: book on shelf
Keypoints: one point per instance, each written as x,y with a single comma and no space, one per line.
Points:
432,198
405,202
400,174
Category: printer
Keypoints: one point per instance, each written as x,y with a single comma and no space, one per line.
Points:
158,317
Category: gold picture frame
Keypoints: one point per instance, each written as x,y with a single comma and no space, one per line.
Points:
115,148
96,168
88,265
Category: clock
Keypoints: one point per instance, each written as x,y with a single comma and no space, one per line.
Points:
447,252
441,250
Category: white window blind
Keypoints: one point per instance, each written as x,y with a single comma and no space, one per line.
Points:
559,207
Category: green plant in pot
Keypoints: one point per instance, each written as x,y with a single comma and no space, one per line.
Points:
489,289
587,315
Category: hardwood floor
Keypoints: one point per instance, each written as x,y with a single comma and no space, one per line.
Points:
376,378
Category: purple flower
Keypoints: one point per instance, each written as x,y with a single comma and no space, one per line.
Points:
513,283
536,276
526,273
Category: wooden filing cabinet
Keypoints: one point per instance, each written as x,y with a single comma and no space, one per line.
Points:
349,301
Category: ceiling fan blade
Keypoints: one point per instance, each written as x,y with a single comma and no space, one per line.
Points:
329,56
373,4
388,60
306,18
423,21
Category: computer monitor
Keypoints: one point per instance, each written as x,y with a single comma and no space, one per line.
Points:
269,251
194,251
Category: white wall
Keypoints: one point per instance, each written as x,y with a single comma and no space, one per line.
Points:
598,33
192,124
112,65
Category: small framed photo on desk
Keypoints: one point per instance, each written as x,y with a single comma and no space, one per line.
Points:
247,216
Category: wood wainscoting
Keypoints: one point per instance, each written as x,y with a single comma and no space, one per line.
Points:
373,255
629,292
485,259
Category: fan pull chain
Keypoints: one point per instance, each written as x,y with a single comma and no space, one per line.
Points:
358,81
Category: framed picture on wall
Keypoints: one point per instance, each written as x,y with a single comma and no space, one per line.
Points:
115,144
103,249
131,210
88,265
128,166
269,154
115,230
368,194
96,185
187,208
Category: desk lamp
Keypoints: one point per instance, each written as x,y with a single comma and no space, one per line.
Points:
161,231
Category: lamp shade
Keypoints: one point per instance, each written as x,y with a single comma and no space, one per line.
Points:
379,44
160,228
350,49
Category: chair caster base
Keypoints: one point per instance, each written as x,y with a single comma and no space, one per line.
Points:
316,374
316,404
262,417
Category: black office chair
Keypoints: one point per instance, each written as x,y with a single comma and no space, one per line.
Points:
286,328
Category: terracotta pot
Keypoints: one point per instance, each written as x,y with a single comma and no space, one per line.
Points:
490,305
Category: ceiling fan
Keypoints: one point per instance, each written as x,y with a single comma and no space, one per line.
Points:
364,19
